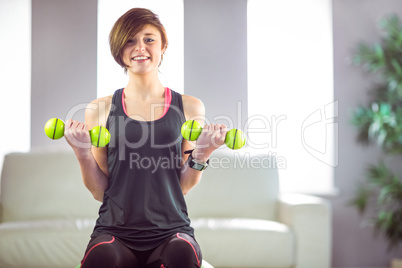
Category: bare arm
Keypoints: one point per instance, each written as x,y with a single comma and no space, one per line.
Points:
212,137
92,160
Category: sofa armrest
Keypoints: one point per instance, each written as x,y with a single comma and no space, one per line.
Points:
310,218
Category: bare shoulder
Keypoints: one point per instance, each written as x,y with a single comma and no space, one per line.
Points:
193,108
97,111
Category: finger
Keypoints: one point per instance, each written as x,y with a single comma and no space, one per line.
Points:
222,132
68,123
75,129
224,129
72,130
67,128
80,126
75,124
217,127
72,125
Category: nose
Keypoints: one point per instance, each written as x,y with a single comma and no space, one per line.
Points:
140,46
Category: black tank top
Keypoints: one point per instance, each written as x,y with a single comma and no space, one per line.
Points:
143,204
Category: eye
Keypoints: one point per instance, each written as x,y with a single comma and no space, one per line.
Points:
149,40
131,41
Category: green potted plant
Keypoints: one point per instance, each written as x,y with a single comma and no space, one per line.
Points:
380,122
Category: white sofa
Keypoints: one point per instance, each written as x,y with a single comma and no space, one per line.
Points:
47,214
240,219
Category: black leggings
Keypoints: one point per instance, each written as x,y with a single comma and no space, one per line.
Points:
178,251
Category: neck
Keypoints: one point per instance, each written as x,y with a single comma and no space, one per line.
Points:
144,86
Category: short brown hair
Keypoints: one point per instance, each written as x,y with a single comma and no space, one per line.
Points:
128,25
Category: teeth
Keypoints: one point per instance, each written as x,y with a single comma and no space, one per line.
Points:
140,58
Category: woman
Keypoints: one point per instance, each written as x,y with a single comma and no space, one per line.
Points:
141,177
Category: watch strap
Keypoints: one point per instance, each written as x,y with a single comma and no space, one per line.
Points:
194,164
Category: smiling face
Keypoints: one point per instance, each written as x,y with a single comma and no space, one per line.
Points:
142,53
125,33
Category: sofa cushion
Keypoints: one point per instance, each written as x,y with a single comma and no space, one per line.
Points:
50,243
42,186
239,242
238,183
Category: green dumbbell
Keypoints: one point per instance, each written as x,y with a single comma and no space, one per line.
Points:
54,129
235,138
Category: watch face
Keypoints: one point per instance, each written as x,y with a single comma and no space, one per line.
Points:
197,166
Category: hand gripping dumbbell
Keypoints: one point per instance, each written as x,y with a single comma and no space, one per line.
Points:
235,138
54,129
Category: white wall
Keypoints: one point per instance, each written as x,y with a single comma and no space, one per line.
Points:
215,58
64,36
15,76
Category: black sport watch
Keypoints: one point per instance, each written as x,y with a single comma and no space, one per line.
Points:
194,164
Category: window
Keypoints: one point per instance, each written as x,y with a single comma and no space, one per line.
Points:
290,83
15,76
110,75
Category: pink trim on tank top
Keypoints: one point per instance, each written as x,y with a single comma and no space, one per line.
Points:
168,101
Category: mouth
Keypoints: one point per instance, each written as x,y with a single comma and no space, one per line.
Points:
140,58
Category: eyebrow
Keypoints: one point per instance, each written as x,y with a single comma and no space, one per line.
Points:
150,34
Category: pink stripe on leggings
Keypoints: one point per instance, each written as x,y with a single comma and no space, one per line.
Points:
195,253
101,243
